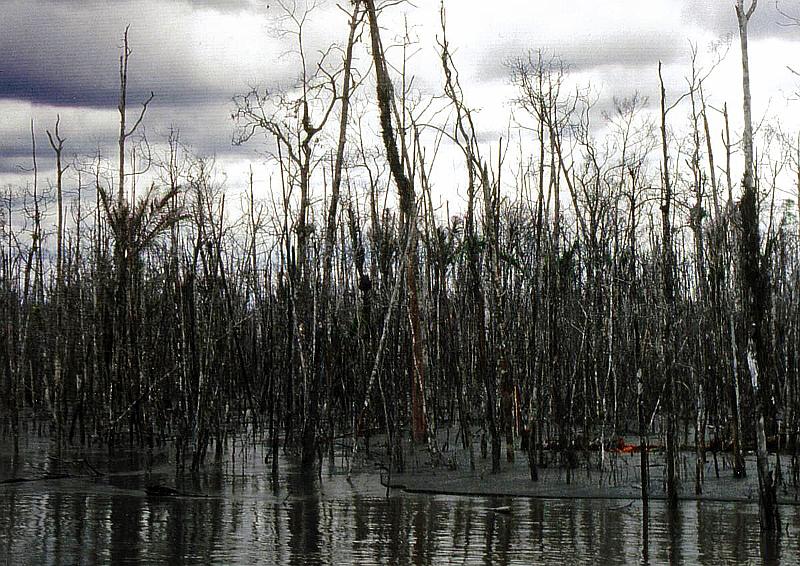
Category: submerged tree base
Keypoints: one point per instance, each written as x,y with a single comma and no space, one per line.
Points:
620,477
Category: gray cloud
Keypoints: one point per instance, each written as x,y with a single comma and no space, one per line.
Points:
626,50
61,56
206,128
719,17
68,53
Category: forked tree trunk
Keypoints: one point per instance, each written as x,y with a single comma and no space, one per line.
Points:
755,288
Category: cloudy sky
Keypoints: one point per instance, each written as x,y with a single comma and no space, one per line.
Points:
61,57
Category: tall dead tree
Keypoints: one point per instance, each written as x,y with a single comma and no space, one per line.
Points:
134,224
57,143
668,282
338,166
323,320
408,208
122,108
755,289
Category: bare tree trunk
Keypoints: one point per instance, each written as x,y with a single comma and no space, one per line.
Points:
668,267
755,283
405,190
57,143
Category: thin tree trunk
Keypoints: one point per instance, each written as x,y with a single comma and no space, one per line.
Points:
755,291
405,190
667,267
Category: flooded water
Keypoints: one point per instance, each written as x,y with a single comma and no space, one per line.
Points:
244,520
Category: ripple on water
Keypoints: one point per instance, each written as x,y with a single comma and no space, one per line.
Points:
333,521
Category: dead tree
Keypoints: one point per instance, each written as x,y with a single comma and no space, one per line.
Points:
57,143
408,208
668,283
755,286
323,319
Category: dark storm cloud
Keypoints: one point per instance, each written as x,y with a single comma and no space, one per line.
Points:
63,58
67,53
67,81
70,58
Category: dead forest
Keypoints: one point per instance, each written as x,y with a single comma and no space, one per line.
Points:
632,273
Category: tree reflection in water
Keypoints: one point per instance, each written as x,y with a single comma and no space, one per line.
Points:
310,521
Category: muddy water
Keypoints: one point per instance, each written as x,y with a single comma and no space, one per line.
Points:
242,519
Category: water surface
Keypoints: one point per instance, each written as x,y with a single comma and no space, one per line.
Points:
308,520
